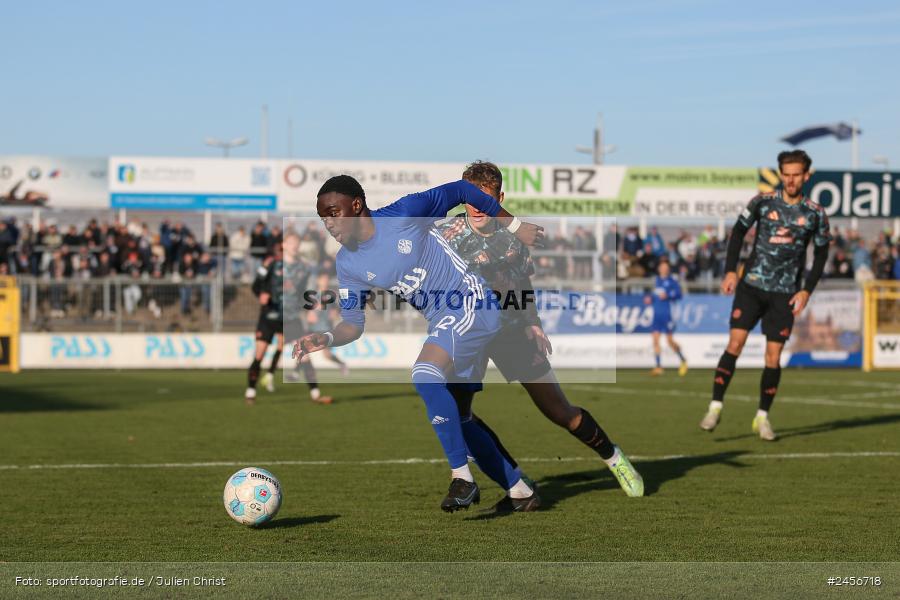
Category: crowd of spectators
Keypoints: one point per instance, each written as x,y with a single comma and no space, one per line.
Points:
692,257
173,253
698,256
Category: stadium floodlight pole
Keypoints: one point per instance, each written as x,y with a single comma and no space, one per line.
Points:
264,132
598,152
226,146
290,137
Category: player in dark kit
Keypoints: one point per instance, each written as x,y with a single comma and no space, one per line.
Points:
279,284
770,289
396,248
520,349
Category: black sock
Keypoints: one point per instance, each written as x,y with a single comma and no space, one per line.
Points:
592,436
768,387
723,375
496,439
274,366
309,372
253,374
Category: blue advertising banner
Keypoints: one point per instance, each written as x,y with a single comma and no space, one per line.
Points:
193,202
606,312
826,334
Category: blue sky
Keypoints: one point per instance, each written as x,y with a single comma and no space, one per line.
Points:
688,82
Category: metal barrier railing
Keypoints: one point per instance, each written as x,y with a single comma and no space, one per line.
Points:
136,304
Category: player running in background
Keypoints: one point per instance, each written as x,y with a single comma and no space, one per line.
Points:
396,248
521,347
666,290
278,274
770,289
319,320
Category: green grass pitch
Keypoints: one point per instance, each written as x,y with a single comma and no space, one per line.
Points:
155,450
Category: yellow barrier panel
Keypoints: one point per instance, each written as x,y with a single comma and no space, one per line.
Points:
9,325
881,325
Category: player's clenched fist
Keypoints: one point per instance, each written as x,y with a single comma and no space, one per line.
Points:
729,283
309,344
530,234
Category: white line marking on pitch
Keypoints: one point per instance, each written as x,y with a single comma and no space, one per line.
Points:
739,397
418,461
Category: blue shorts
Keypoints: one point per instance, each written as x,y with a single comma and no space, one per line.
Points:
464,335
662,324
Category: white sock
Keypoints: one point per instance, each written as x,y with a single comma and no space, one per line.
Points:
462,472
762,413
716,405
520,490
315,393
612,460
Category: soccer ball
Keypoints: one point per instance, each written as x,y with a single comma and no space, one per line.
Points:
252,496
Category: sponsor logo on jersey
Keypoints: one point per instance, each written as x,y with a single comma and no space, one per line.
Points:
404,246
782,236
370,275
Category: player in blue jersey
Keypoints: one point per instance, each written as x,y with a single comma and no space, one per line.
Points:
666,290
396,248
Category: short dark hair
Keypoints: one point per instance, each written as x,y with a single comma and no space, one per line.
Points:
794,156
486,174
343,184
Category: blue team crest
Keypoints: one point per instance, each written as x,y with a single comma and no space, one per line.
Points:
404,246
348,299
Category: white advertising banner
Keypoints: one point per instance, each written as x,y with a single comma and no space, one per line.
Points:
53,182
383,181
886,351
372,351
691,203
195,351
529,189
192,183
635,351
290,186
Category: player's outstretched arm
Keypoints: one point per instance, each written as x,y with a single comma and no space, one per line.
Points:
437,202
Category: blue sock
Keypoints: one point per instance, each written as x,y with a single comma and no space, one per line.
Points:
657,360
488,455
431,385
